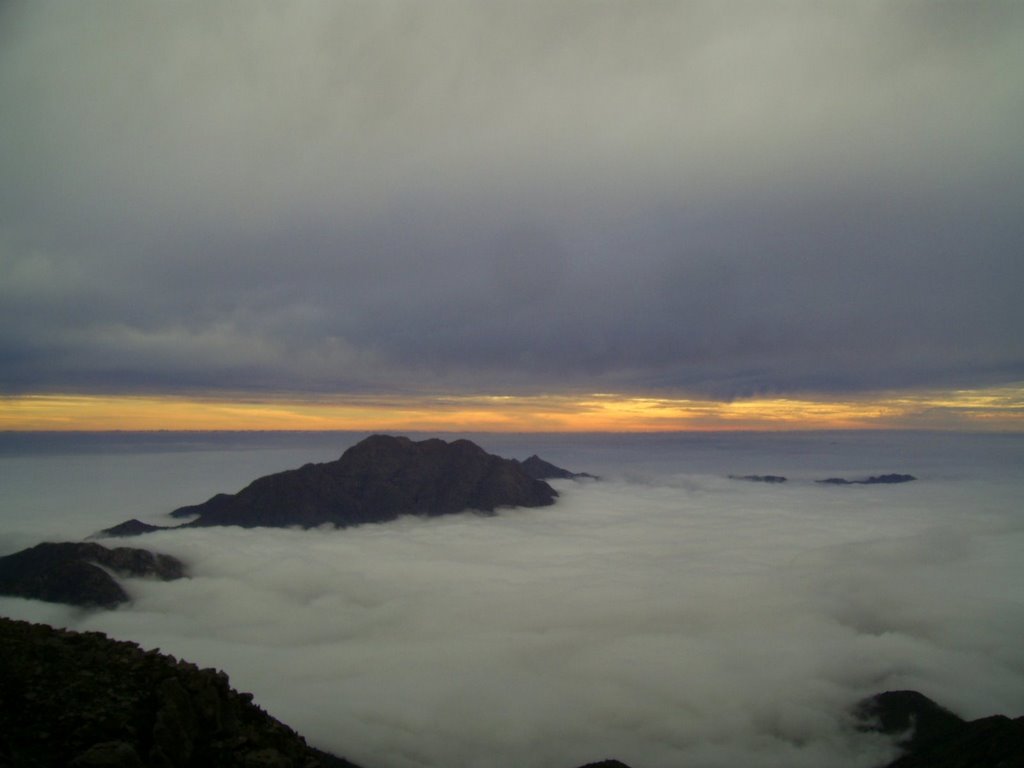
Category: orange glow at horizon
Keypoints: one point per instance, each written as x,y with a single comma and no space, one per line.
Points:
1000,409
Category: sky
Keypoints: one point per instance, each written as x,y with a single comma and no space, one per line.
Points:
534,215
666,615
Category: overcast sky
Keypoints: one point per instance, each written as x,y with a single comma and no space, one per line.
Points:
695,199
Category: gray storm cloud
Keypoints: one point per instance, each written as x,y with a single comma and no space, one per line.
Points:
720,198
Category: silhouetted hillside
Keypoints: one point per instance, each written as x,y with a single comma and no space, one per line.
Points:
377,480
934,737
77,572
81,699
374,481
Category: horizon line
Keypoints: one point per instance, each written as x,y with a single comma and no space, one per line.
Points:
992,409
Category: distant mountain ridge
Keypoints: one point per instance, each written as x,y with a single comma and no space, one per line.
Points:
539,469
377,480
889,479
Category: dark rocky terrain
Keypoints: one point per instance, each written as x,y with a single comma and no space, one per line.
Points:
374,481
873,480
80,699
934,737
78,572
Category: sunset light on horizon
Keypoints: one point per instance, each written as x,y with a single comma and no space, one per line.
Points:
512,384
994,409
529,216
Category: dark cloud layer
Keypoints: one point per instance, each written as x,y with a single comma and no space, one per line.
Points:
714,198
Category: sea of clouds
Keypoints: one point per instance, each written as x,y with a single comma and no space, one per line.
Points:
665,615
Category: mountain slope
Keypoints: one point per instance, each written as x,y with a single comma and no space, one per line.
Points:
377,480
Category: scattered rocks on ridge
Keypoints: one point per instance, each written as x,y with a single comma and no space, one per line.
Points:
80,699
77,572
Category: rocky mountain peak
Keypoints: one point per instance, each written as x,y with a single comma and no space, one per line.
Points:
376,480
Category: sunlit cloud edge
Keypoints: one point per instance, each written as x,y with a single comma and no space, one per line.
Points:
988,409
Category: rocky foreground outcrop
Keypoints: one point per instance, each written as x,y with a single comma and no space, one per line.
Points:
374,481
79,573
934,737
80,699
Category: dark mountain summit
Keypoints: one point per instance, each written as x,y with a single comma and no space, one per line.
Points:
78,572
539,469
131,527
379,479
933,737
